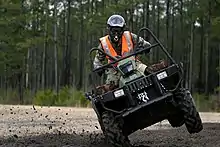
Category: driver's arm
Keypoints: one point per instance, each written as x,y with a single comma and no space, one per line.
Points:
99,57
141,42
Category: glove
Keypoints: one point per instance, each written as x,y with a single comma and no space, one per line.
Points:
142,48
139,48
100,72
147,51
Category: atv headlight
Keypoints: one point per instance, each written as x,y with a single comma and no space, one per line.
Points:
126,68
119,93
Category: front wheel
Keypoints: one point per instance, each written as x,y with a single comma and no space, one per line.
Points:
176,120
191,116
113,132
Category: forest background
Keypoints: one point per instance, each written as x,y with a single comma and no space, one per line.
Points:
44,45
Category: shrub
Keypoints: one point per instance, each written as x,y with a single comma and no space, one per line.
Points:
204,103
9,96
45,97
67,96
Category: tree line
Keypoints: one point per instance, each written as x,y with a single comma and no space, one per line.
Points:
44,44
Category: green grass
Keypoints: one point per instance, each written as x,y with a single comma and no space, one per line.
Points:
68,96
11,96
205,103
65,97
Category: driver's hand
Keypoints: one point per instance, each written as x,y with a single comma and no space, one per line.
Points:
100,72
141,47
118,57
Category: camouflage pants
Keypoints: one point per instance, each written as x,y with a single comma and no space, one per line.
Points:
113,76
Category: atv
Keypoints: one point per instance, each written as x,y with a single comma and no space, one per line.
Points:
141,100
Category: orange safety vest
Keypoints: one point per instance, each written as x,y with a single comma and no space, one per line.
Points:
127,45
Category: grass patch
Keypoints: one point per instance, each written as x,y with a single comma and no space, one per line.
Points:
68,96
65,97
11,96
204,103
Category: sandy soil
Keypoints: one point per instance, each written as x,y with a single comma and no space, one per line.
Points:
76,127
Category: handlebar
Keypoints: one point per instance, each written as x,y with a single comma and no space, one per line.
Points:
117,60
110,56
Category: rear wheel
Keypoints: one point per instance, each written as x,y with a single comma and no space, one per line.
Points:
191,116
113,132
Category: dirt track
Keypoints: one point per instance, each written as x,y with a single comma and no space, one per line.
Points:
76,127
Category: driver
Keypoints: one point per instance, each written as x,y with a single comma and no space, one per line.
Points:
117,43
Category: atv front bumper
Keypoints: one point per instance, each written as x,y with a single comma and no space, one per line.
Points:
144,106
147,114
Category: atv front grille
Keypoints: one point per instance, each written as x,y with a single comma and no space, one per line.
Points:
139,84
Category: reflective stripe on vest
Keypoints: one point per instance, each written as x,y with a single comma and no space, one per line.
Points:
105,45
127,44
129,40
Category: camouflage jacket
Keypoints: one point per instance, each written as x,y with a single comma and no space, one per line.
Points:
100,57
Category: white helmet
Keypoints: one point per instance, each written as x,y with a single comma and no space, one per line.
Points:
116,21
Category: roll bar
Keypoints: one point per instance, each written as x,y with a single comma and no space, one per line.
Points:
141,50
